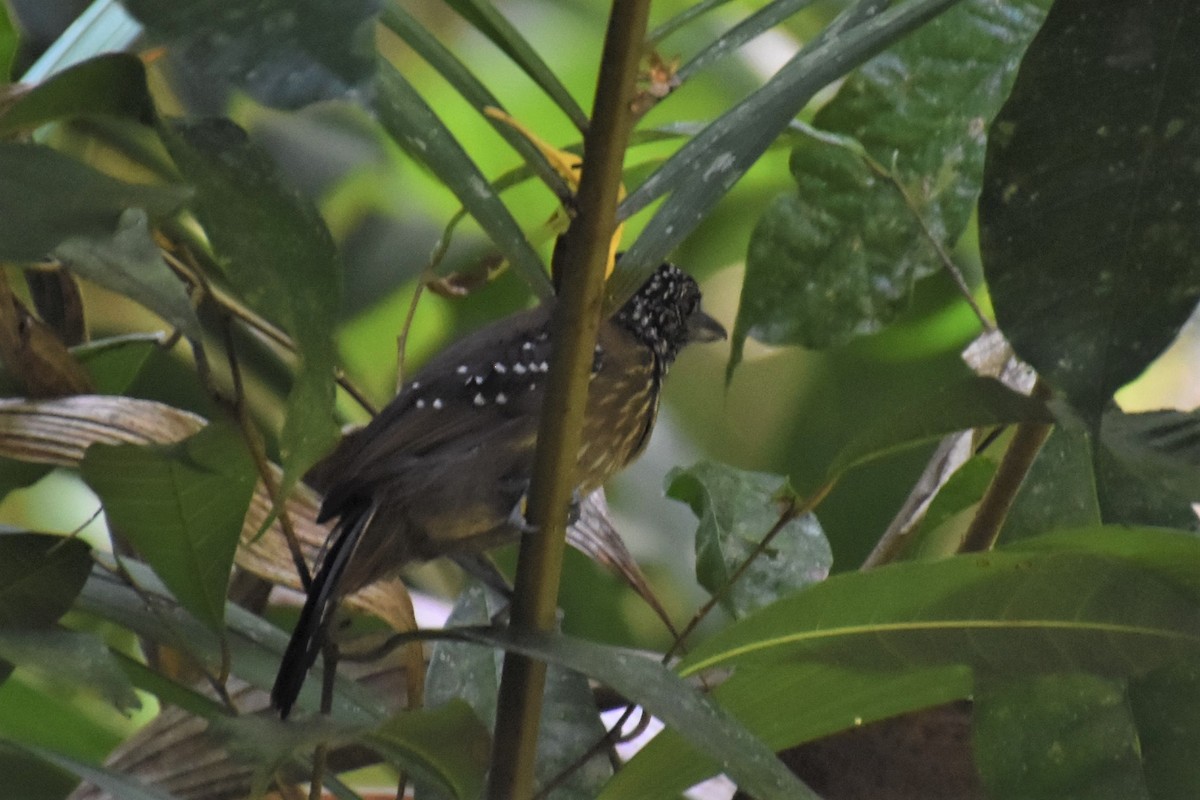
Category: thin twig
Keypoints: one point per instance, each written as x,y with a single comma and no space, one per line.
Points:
1026,443
791,511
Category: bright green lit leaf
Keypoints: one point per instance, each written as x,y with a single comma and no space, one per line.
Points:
182,508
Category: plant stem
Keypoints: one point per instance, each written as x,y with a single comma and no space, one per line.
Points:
579,262
1027,441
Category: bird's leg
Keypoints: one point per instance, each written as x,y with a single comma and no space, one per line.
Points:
521,524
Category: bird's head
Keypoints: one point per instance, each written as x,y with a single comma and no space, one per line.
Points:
665,314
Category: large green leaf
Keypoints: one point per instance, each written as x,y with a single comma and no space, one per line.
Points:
47,197
1057,736
970,402
707,726
1042,606
1166,708
1087,220
109,85
838,257
182,508
736,510
283,52
786,705
702,171
279,255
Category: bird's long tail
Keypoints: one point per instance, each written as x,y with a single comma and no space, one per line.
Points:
310,633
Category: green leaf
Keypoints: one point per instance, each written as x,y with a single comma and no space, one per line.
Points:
702,171
111,781
181,506
787,705
447,747
40,575
1147,468
736,510
416,128
1066,605
253,645
838,258
1088,235
8,45
470,87
1057,736
569,722
732,40
1059,491
108,85
502,33
285,53
114,363
941,529
92,665
129,262
47,197
707,726
1166,708
967,403
280,257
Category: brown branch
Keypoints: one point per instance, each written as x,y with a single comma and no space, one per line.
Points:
579,262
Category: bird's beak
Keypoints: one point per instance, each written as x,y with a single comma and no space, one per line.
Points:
703,328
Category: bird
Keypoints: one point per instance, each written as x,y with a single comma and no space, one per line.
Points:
443,469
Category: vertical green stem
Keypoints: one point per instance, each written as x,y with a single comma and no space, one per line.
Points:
579,261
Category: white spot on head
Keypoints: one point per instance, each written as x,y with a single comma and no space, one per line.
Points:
519,368
478,380
462,369
527,346
437,404
420,402
501,399
479,400
415,385
500,368
543,366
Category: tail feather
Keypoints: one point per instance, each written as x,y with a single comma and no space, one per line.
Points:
309,635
